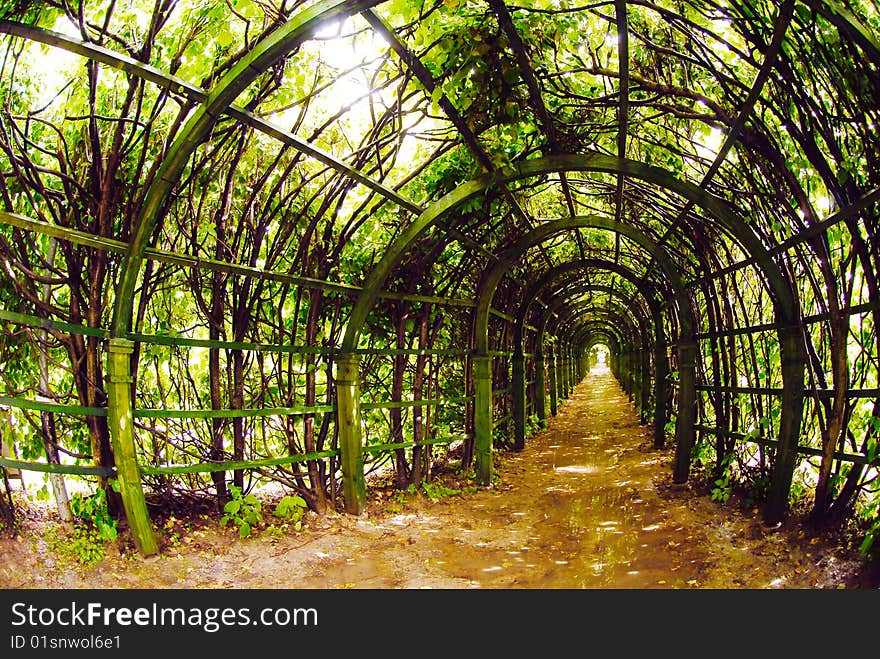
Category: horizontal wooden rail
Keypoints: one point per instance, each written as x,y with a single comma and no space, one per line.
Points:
56,408
777,391
185,260
850,211
867,307
73,470
181,341
389,447
207,467
764,441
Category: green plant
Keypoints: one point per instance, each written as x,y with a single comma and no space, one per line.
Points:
92,511
871,517
757,492
291,509
87,543
723,485
244,512
436,491
533,425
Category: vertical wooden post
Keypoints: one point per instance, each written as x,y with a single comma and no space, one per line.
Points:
483,418
636,357
792,350
348,419
645,369
630,376
540,389
562,359
661,368
554,386
519,401
687,409
121,422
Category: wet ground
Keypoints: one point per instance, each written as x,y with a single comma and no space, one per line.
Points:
588,504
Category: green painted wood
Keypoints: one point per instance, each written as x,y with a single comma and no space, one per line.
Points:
856,458
661,371
185,260
554,392
513,253
380,448
519,402
348,401
55,408
564,373
791,348
541,391
687,412
276,45
192,92
233,413
560,374
231,465
531,294
482,367
121,422
46,323
387,405
72,470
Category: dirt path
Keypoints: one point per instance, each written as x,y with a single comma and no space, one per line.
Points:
588,504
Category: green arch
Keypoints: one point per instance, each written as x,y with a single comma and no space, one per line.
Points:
660,361
199,126
482,360
197,129
786,307
549,277
628,304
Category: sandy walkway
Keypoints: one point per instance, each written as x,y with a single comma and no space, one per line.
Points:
588,504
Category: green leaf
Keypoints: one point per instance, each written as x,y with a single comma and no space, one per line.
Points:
244,530
232,507
224,38
435,99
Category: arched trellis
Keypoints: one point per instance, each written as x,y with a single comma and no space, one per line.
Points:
559,301
787,311
116,366
489,283
198,127
636,378
583,319
646,292
598,330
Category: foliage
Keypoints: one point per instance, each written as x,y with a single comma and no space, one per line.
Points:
870,522
95,528
436,491
291,510
92,511
242,511
533,425
80,145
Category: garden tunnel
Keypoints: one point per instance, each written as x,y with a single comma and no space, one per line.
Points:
301,242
